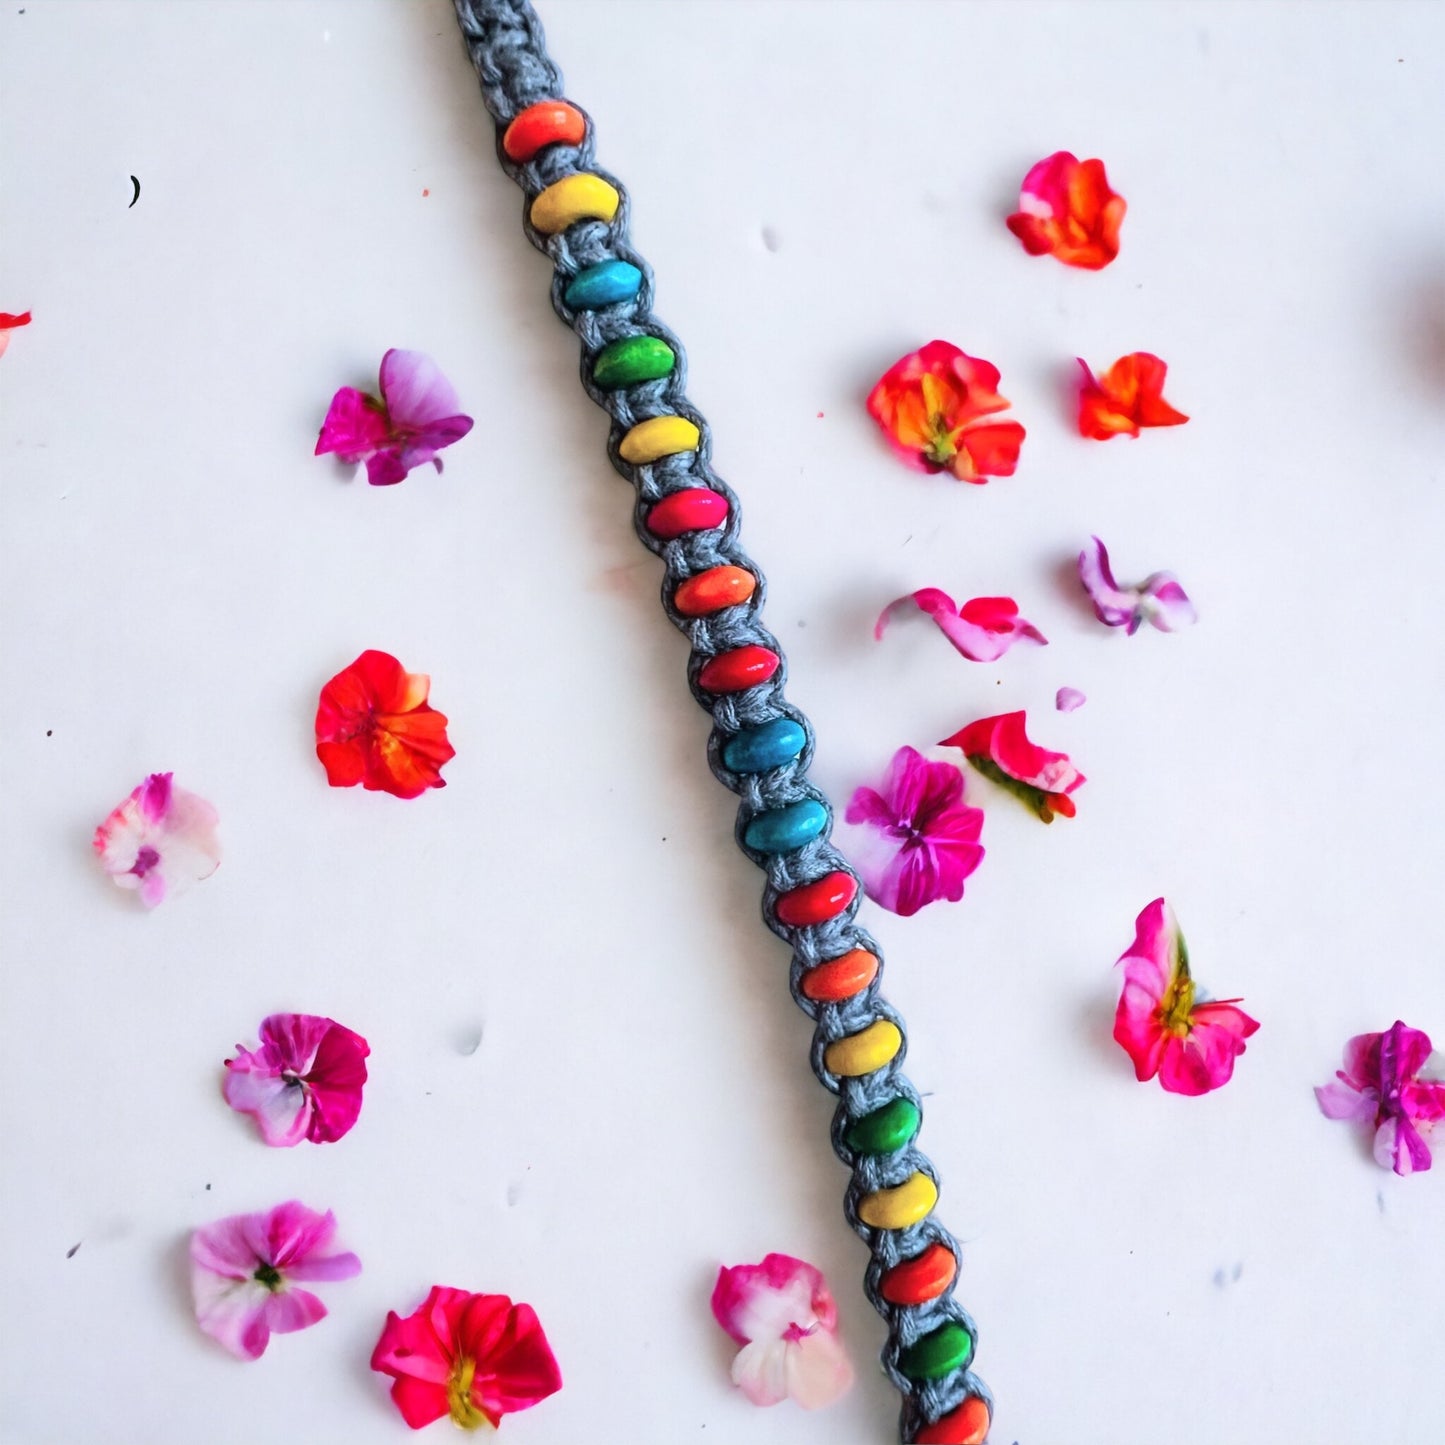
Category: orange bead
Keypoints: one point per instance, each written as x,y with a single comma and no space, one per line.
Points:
967,1425
549,122
840,978
713,590
920,1279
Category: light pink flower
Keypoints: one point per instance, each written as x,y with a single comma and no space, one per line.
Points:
304,1082
1190,1046
983,629
159,841
1000,749
1385,1083
416,416
783,1316
243,1272
921,838
1158,599
1069,699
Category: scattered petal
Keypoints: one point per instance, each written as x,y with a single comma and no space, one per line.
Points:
1069,699
1129,396
9,323
1158,599
1000,749
1067,210
983,629
159,841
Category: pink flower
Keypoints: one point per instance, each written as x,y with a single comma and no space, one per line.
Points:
243,1270
159,841
1158,599
922,838
781,1313
1068,210
475,1357
1069,699
1190,1046
9,323
1384,1083
983,629
304,1082
1000,749
416,416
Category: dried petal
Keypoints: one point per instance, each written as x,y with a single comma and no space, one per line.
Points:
983,629
1067,210
1128,397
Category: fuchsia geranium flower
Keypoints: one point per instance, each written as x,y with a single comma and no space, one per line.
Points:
1385,1084
1129,396
304,1082
244,1270
983,629
416,416
160,841
1190,1046
1000,749
1158,599
783,1316
1067,210
922,838
475,1357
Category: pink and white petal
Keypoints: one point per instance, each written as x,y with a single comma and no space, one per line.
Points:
289,1310
282,1111
1165,604
1069,699
760,1371
1400,1147
818,1370
294,1039
155,888
231,1312
764,1301
932,601
224,1248
415,391
1340,1101
1113,605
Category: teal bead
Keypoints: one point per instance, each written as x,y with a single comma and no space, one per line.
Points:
604,284
937,1353
755,750
885,1130
784,829
633,359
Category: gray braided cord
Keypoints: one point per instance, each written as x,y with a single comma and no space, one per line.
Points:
504,39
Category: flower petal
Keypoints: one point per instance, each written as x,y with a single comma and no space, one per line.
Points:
1204,1059
1069,699
355,426
1067,210
760,1371
416,393
983,629
818,1370
1339,1101
282,1110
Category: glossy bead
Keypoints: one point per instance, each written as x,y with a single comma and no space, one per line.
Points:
658,436
741,668
784,829
580,197
864,1052
547,123
900,1207
840,978
694,509
713,590
938,1353
920,1279
967,1425
604,284
817,902
886,1129
630,360
769,745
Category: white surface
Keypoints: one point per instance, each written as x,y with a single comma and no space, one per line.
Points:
181,576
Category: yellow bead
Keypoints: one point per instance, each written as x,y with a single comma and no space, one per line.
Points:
861,1054
900,1207
581,197
660,436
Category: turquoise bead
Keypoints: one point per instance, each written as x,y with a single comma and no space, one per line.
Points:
784,829
602,285
755,750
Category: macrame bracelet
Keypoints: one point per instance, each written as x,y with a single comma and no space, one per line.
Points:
634,368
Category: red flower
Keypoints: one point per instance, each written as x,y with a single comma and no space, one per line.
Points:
1128,396
1000,749
375,727
1067,210
475,1357
931,404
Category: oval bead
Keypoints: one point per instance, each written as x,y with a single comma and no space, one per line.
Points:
840,978
695,509
967,1425
920,1279
547,123
885,1129
770,745
817,902
604,284
630,360
658,436
581,197
713,590
784,829
863,1053
741,668
938,1353
901,1206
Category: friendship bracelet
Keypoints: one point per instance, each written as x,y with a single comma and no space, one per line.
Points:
635,369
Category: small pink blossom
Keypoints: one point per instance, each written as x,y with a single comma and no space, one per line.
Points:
1000,749
1392,1082
244,1269
304,1082
159,841
983,629
783,1316
1069,699
1158,599
921,838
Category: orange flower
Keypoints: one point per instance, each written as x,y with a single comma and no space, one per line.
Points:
1067,210
931,404
1128,396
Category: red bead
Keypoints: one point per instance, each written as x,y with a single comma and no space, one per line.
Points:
740,668
818,901
693,510
967,1425
920,1279
549,122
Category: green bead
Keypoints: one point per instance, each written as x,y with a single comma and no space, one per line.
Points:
885,1129
937,1353
633,359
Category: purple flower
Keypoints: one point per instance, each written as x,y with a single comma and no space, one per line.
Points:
1158,599
159,841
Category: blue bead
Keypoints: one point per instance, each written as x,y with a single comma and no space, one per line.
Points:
755,750
784,829
602,285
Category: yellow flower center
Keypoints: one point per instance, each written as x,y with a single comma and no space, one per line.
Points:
1178,1001
942,446
459,1396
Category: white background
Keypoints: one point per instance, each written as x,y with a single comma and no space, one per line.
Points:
181,576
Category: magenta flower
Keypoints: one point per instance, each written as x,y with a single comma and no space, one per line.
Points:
983,629
1158,599
1384,1083
922,838
304,1082
1000,749
159,841
416,416
243,1271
